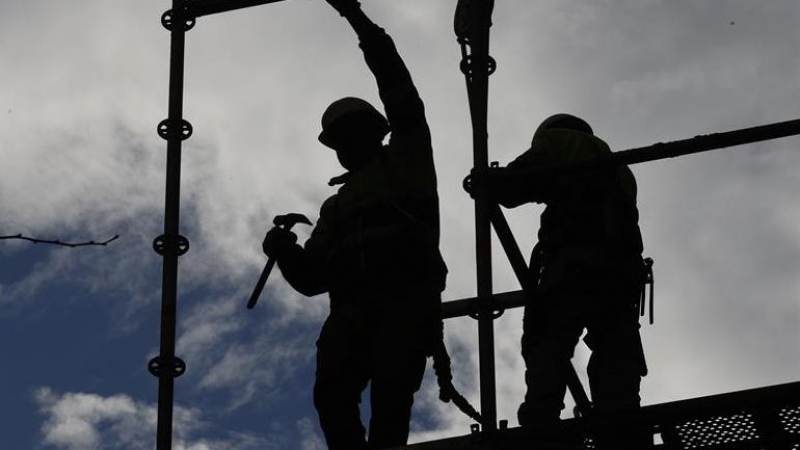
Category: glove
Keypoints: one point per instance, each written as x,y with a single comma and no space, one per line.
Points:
488,181
344,7
277,241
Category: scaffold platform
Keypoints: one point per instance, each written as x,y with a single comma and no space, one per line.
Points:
766,418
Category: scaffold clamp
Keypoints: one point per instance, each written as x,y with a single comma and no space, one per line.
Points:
180,243
170,18
494,313
168,128
469,62
175,368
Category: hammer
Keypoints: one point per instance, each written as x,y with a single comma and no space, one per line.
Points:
285,221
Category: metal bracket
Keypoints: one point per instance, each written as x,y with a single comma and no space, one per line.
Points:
169,19
180,242
468,63
168,128
174,369
468,184
496,314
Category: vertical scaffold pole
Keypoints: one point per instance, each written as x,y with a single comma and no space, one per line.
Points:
477,66
171,245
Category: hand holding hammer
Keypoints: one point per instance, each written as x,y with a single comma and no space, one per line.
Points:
278,237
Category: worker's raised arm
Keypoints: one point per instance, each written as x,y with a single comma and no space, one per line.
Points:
402,104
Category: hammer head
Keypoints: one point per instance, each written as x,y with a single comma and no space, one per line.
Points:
287,221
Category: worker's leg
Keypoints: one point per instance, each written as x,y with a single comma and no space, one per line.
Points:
401,340
342,375
616,368
550,332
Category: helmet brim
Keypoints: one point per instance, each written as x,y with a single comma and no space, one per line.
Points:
356,122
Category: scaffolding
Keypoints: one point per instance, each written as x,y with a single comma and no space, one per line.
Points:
765,418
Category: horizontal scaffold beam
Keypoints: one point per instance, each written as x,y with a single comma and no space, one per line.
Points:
198,8
708,142
664,150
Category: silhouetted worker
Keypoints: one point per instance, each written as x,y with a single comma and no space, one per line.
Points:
589,268
375,250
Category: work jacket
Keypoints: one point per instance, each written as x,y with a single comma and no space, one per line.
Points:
590,215
380,231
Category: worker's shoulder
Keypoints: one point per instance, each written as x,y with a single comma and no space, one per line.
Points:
329,205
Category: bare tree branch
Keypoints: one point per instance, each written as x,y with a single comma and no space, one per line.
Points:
57,242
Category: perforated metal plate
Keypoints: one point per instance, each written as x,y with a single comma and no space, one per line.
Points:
790,420
702,433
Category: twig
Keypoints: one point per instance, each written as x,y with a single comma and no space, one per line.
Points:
57,242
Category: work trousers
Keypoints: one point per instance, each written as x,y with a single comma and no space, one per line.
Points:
602,301
379,339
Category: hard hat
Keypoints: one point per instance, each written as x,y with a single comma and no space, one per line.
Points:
351,107
567,121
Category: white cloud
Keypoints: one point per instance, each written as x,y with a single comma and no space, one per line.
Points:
82,421
310,437
239,352
88,421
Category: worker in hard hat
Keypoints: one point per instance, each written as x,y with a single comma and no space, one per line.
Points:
375,250
589,266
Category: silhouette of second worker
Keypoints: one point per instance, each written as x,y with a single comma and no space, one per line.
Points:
375,250
589,268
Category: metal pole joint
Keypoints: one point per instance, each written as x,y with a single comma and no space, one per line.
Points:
166,367
488,307
180,17
170,129
171,243
470,63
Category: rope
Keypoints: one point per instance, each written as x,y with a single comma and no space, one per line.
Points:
444,378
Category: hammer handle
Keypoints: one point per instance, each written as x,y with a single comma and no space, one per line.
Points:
262,280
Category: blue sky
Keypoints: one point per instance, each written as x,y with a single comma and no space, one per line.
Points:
84,84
